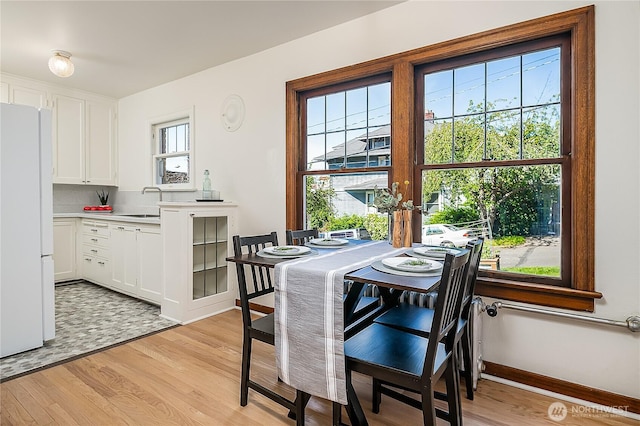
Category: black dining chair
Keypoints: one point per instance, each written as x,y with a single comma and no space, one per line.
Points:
300,237
255,281
418,319
405,361
365,305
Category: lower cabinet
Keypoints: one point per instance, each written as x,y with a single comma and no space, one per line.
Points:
136,260
96,256
196,240
64,249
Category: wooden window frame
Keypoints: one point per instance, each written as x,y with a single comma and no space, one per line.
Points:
579,23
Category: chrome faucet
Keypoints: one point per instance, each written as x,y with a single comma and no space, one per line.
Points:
153,188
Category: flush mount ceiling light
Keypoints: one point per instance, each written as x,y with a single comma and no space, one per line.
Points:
60,64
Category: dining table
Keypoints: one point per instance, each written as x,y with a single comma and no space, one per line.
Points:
312,316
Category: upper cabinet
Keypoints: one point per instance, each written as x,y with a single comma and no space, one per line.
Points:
84,129
84,142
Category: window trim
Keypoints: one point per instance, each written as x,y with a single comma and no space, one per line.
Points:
186,115
579,23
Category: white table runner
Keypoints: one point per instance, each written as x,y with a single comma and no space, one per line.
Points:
309,318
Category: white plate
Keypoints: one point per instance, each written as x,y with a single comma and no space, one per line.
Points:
287,250
411,264
435,252
329,241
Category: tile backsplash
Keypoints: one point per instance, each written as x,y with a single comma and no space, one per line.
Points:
72,198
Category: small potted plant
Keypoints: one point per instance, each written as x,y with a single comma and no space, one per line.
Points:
103,196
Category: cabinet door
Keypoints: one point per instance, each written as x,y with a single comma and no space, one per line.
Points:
150,264
68,140
64,250
100,143
124,269
27,96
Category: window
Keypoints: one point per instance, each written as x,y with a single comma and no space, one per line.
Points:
172,158
347,145
492,146
512,105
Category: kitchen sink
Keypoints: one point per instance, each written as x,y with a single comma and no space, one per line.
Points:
141,215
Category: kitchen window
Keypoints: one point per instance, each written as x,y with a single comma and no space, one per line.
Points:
173,154
461,108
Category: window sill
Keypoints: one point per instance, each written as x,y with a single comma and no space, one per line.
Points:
537,294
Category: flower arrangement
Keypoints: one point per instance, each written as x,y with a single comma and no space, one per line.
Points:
387,200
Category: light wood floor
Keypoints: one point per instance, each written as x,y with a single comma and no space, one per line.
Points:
189,375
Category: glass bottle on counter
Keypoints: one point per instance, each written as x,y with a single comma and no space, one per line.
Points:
207,193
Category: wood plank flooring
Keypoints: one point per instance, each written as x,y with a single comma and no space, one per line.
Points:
189,375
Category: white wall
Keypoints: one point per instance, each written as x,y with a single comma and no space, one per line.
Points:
248,166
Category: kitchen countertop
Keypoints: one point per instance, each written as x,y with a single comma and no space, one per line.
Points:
115,217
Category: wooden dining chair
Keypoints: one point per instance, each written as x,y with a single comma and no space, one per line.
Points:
418,319
300,237
365,305
255,281
397,359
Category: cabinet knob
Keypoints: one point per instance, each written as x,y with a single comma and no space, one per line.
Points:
94,250
95,240
88,259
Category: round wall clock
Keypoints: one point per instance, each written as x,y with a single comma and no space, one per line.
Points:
232,113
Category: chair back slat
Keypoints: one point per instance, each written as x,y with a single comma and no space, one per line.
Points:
448,306
475,247
253,280
301,236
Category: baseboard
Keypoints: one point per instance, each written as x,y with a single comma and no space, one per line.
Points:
257,307
586,393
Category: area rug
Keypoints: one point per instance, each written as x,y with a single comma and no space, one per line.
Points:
89,318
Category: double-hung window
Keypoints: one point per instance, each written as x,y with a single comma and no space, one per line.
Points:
173,156
499,124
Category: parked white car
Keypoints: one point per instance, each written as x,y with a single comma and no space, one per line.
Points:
443,234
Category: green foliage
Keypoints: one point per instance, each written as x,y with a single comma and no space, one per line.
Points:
103,196
506,197
550,271
509,241
377,225
319,209
345,222
453,215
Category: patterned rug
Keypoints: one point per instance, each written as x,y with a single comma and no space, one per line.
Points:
89,318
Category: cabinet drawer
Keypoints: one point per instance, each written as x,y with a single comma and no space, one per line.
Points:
94,250
96,270
95,240
92,228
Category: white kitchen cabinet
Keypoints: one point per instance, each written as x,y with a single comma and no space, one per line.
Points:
149,241
96,255
21,95
124,258
84,140
136,255
64,249
196,239
68,140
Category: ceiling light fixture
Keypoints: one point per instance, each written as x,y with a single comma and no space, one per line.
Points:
60,64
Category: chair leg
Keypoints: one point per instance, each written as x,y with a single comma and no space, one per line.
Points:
452,380
376,396
246,364
428,406
467,359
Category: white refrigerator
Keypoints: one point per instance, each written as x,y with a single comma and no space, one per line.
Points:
27,295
